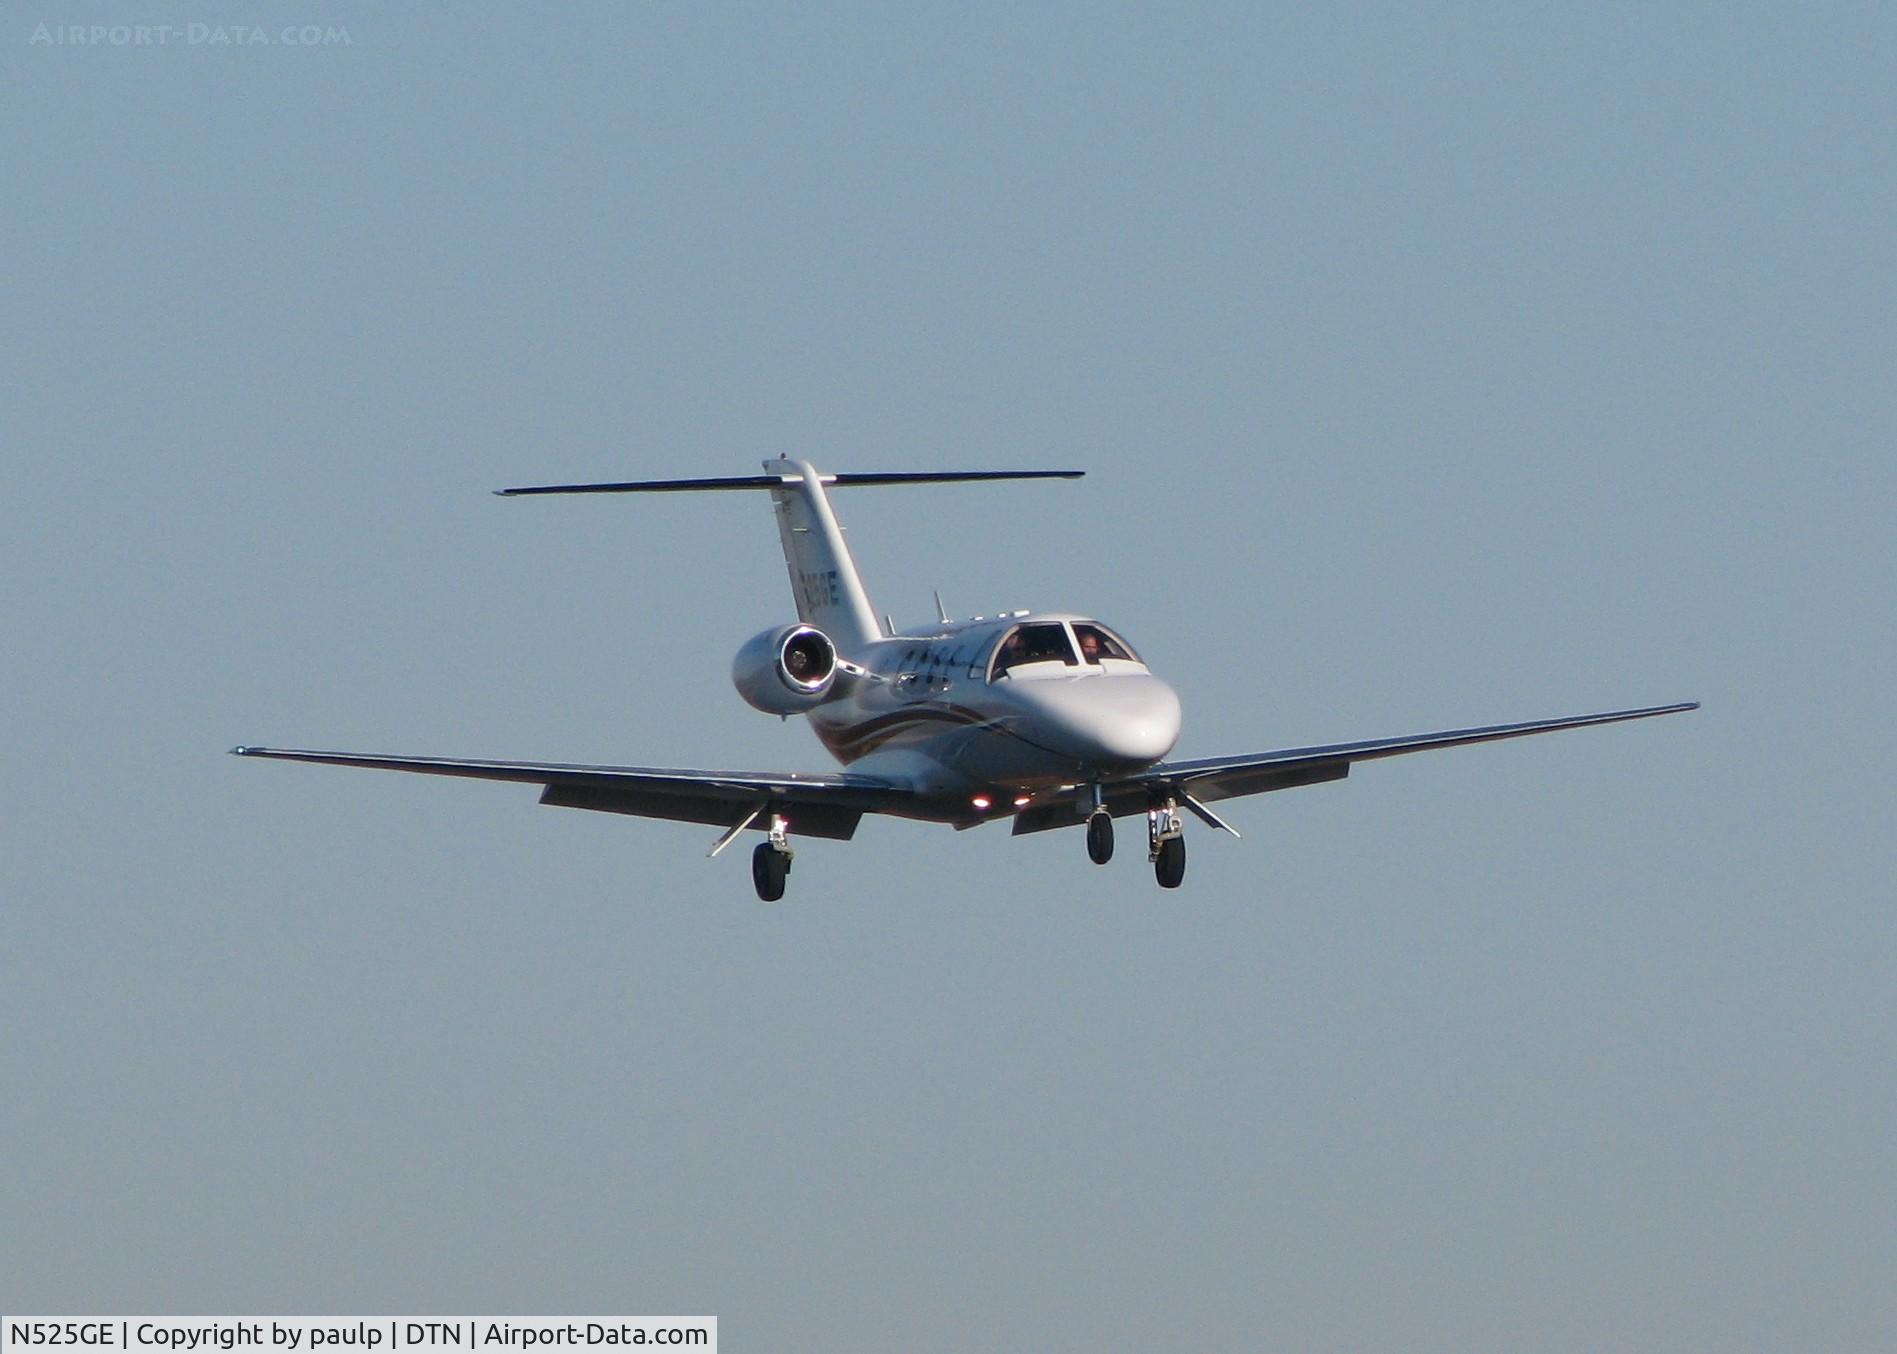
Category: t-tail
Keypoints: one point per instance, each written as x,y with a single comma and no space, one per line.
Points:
823,575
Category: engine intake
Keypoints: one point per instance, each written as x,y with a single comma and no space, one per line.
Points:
785,671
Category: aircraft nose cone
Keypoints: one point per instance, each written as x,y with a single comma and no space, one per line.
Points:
1123,722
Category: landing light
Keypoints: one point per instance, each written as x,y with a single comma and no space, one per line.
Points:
1022,801
981,802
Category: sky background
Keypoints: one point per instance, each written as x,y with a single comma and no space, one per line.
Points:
1430,368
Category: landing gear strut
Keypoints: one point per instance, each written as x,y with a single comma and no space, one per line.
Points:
770,863
1166,844
1100,837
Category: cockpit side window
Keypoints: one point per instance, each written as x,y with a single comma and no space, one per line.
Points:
1097,642
1043,643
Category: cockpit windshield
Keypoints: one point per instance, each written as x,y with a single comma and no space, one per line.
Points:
1098,642
1055,642
1042,643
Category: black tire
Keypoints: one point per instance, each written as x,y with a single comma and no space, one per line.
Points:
768,868
1170,868
1099,839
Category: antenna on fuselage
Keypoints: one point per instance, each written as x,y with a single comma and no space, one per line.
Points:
941,612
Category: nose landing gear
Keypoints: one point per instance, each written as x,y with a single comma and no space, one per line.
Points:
1100,837
1166,844
770,862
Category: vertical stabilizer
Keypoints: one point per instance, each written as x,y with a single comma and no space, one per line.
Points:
823,577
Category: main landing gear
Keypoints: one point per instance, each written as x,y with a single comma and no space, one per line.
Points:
1166,844
770,863
1100,837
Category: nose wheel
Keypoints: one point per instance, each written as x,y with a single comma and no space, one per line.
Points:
770,862
1100,837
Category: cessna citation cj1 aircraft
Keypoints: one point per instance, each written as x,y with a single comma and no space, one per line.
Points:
1046,719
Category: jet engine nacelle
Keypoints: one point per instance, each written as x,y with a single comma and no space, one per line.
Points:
785,671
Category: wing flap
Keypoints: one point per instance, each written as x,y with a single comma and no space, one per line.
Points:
1257,780
1132,796
808,819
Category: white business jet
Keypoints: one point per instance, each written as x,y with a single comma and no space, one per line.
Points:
1045,719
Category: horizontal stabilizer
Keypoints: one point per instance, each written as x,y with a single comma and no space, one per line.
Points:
778,481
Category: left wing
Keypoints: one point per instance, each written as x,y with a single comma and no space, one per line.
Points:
1212,778
818,805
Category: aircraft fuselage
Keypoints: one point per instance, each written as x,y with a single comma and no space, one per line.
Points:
975,736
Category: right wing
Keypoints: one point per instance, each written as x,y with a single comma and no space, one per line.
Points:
821,805
1214,778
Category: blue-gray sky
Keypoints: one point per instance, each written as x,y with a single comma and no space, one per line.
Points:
1484,363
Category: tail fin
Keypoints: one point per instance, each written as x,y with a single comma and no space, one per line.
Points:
823,577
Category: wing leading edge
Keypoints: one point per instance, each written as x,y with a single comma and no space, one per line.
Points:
1214,778
819,805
